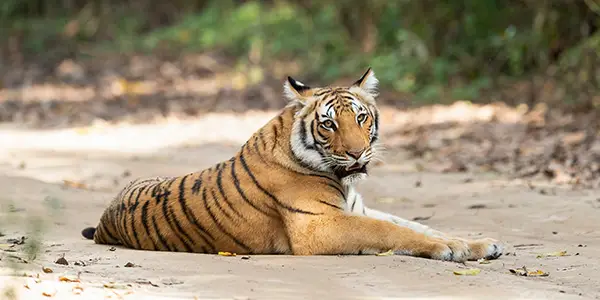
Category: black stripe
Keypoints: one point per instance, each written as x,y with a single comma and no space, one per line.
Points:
275,130
154,190
161,238
262,189
190,215
336,188
330,204
219,204
329,102
146,225
376,136
186,242
174,225
108,232
104,233
123,222
109,221
323,92
262,140
218,224
132,209
222,192
353,203
303,136
236,183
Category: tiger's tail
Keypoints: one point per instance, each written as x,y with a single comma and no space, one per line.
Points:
88,233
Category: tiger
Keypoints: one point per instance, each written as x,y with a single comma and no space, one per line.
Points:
290,189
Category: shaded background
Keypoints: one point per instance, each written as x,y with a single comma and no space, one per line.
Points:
71,63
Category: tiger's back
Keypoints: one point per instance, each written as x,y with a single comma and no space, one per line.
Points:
237,205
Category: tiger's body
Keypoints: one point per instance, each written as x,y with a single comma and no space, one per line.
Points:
288,190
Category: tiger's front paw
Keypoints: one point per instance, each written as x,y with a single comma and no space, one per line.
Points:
452,250
486,248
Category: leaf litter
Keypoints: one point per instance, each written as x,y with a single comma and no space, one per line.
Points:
553,254
469,272
523,271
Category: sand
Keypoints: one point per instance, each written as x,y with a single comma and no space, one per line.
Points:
532,218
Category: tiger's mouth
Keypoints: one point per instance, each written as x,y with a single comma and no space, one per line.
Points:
356,168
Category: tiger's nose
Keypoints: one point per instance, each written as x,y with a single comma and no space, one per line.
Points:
355,153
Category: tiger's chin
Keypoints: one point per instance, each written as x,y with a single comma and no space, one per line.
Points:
351,176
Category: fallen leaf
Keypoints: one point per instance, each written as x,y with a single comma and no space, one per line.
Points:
74,184
77,290
524,272
7,247
47,270
483,261
31,282
224,253
68,278
385,200
48,290
387,253
467,272
113,285
552,254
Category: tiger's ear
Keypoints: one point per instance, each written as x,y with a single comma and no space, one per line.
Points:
368,83
295,90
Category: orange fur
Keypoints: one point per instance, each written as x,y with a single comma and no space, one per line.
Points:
271,197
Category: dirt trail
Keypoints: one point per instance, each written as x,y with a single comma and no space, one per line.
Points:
532,218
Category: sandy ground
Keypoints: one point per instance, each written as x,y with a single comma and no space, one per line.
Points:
531,218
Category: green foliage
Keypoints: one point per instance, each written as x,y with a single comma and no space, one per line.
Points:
415,46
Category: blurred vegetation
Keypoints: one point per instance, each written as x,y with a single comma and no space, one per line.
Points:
433,49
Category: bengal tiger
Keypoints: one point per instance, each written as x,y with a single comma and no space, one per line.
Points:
290,189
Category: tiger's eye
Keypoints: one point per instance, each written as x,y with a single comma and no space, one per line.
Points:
328,123
361,118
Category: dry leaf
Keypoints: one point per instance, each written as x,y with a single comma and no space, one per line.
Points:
113,285
31,282
49,290
68,278
483,261
524,272
385,200
552,254
387,253
223,253
47,270
74,184
467,272
77,290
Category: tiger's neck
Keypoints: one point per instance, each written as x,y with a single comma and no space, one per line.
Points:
281,143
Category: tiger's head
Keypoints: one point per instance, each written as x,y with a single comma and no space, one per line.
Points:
335,128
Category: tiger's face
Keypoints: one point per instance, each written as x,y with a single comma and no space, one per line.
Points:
337,127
